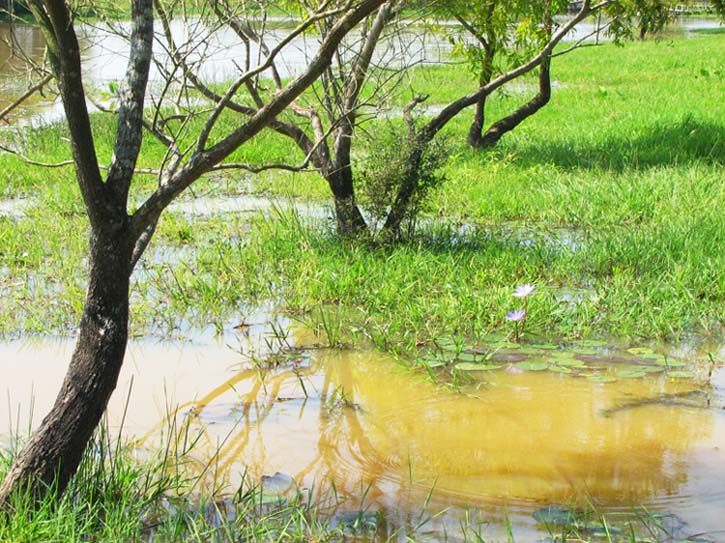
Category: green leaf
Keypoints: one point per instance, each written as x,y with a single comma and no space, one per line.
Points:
630,373
470,357
471,366
533,366
601,379
680,374
651,369
671,363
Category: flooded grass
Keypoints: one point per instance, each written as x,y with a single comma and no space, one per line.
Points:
614,215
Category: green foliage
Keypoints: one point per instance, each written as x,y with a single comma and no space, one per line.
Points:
387,165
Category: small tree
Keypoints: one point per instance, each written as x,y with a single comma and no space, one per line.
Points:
118,236
323,122
494,36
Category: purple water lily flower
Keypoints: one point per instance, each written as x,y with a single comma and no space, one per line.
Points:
516,315
522,291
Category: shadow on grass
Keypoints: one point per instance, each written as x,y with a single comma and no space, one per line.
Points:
665,144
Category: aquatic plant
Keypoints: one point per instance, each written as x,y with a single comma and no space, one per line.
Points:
518,316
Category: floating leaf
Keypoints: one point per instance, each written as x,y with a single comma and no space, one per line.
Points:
532,366
432,362
471,366
591,343
671,363
651,369
470,357
560,369
570,362
640,351
630,373
447,343
680,374
601,379
509,357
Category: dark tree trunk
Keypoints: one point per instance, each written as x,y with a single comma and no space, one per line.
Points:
53,453
350,221
475,138
508,123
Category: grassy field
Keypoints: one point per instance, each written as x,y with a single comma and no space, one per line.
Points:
609,200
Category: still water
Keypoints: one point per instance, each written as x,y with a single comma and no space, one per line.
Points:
105,54
501,446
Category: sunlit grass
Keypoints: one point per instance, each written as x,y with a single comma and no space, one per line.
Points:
614,190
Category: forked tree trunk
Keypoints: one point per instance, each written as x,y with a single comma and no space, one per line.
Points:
350,221
475,133
53,453
497,130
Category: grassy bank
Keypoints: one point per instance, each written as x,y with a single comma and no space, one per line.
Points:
609,200
117,497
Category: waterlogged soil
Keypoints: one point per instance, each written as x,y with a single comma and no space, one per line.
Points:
511,442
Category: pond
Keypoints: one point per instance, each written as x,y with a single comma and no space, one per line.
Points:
511,446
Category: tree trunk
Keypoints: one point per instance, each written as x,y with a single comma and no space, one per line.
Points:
350,221
501,127
475,137
53,453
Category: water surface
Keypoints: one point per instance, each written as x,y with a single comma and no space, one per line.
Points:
504,445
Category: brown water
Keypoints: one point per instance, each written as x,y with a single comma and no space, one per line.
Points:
508,447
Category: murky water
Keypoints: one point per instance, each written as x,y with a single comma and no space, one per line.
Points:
505,444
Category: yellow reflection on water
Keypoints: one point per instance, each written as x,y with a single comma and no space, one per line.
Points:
369,426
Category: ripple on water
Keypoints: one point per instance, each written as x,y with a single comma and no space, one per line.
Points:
507,448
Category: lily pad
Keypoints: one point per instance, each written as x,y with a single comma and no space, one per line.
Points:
600,379
681,374
651,369
533,366
509,357
472,366
630,373
590,343
447,343
639,351
569,362
560,369
470,357
671,363
433,362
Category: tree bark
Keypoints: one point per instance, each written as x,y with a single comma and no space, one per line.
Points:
53,453
350,221
497,130
475,138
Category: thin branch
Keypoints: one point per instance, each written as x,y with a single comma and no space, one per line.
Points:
27,94
64,163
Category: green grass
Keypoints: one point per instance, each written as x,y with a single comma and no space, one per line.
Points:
613,191
116,497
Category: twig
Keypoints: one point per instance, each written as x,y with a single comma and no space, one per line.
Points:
27,94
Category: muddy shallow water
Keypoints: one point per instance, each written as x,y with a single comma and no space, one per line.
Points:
504,445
